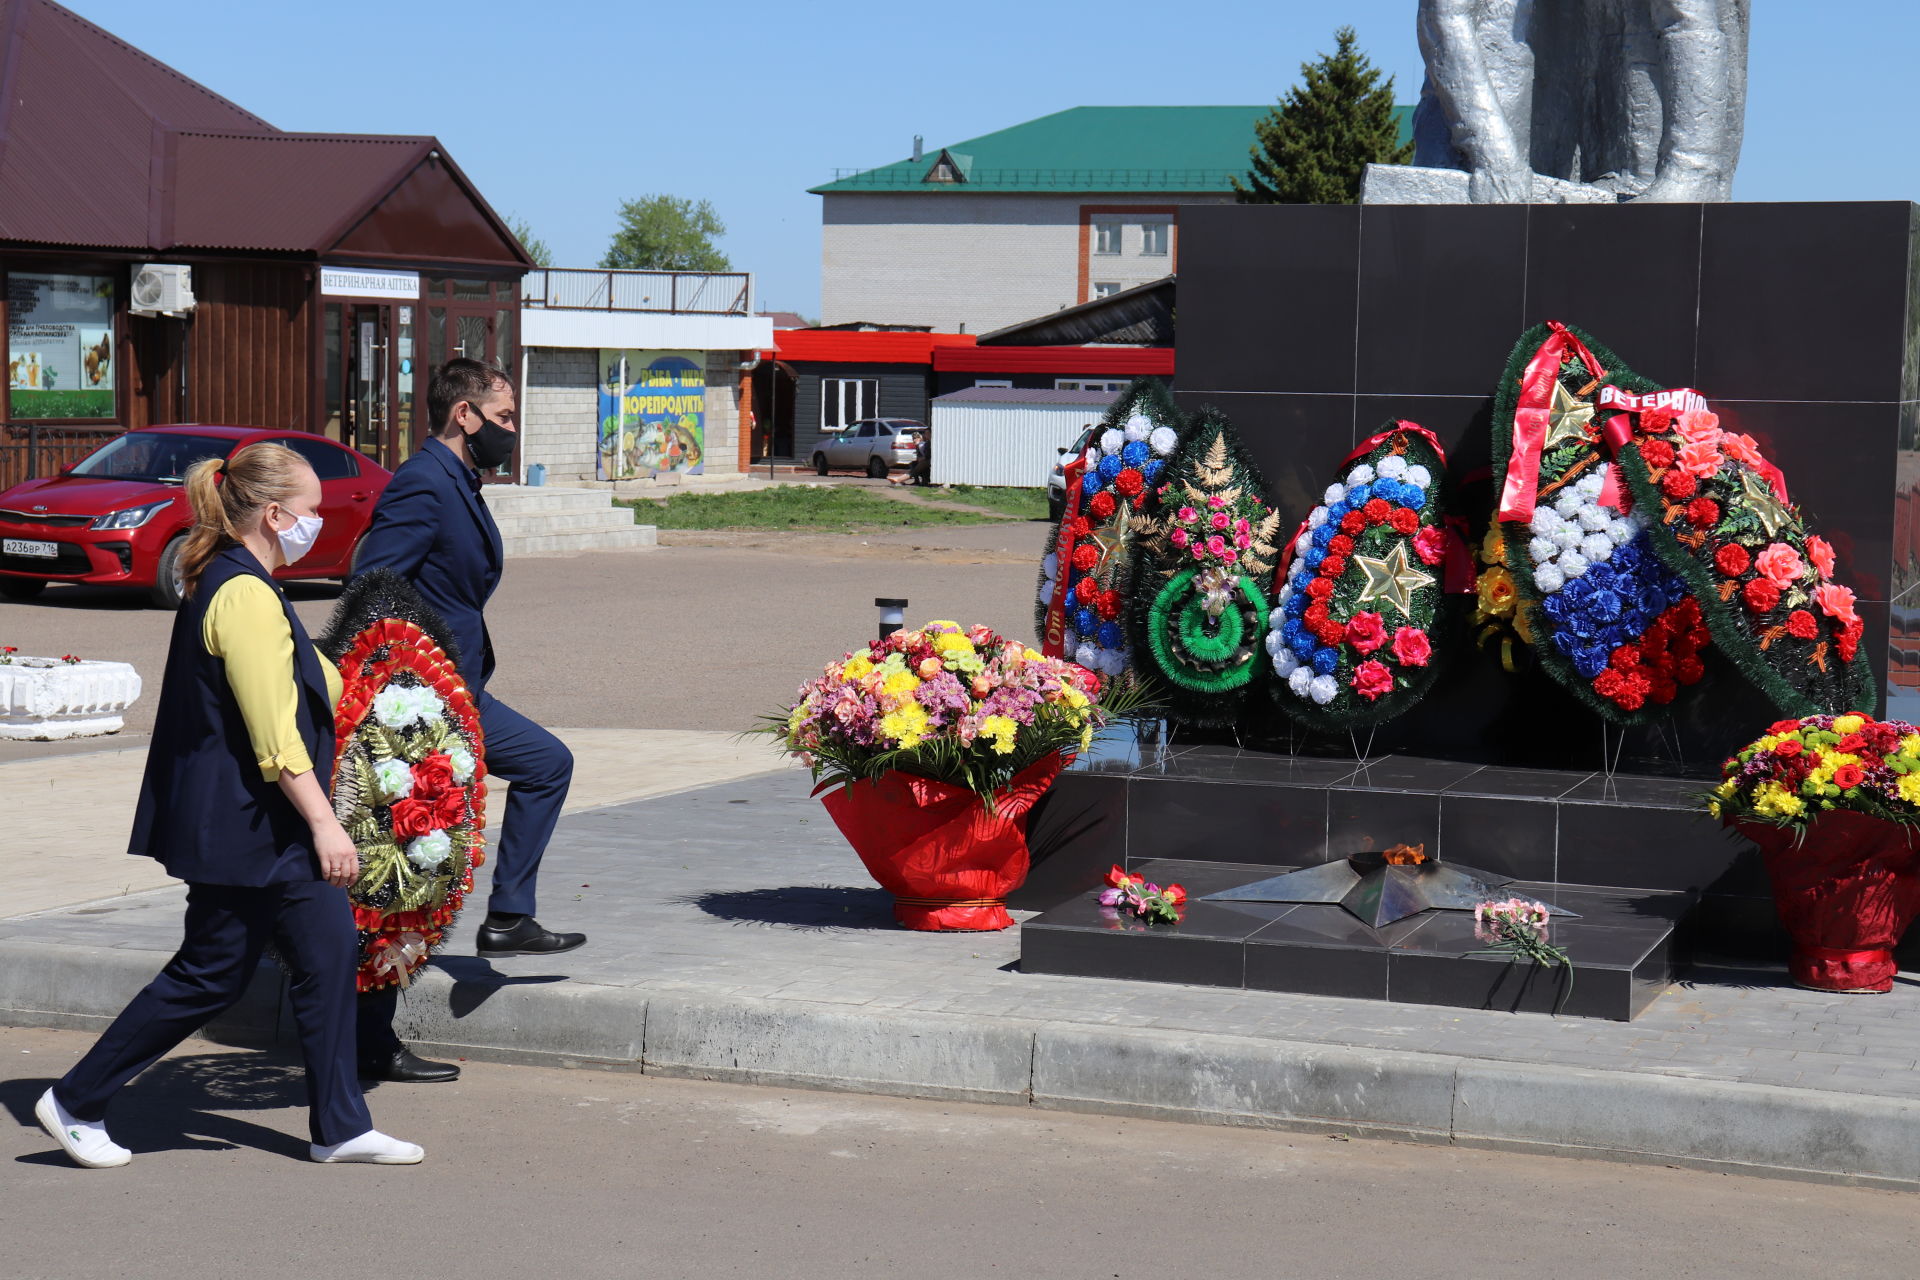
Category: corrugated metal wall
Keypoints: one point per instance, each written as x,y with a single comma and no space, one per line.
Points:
903,394
1003,444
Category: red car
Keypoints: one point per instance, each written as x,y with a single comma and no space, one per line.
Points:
119,516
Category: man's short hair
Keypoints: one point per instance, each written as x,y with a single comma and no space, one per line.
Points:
462,379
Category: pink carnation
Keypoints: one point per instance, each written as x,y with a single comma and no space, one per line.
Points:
1780,564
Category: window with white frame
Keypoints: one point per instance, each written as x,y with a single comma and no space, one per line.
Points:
1154,238
844,401
1005,384
1105,288
1089,384
1106,237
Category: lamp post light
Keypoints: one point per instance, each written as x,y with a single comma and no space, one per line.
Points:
893,616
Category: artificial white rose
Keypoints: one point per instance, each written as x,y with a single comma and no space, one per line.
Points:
1138,428
398,706
1299,678
464,765
1417,476
1316,517
1362,474
394,778
1393,466
1548,579
1162,440
1323,689
1596,547
1092,458
1543,550
1334,493
430,850
1285,662
1573,564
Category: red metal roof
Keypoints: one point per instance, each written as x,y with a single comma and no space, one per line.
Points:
839,346
301,190
1113,361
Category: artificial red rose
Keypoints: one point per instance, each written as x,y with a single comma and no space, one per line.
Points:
1339,545
1626,657
1377,510
1783,726
1085,556
1820,551
1790,748
1679,486
1430,544
1404,520
1366,632
412,818
1102,505
1836,602
1333,566
1703,513
1802,626
1761,595
433,777
1732,559
1129,482
1087,590
1656,420
1353,522
1411,648
450,810
1320,588
1849,776
1853,744
1371,679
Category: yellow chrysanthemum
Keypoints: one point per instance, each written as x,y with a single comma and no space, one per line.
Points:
858,667
1775,800
1849,724
999,732
951,642
1830,763
1075,698
900,683
1909,787
1034,655
1726,789
907,727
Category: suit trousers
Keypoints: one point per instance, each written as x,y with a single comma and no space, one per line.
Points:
227,929
541,769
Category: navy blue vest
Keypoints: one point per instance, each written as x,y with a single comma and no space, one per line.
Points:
205,812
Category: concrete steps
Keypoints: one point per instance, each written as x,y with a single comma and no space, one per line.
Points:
548,521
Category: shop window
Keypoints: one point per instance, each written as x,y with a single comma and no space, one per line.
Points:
844,401
1154,238
503,340
330,340
1106,288
1089,384
1106,237
61,347
436,345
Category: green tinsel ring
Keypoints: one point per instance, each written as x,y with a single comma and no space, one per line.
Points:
1239,666
1210,641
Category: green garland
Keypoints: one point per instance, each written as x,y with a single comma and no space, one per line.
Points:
1199,652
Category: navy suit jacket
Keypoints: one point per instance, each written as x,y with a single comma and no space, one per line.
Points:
432,529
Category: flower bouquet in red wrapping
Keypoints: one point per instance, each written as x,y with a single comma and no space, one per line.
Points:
929,748
1834,804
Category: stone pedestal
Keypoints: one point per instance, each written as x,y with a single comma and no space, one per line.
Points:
45,699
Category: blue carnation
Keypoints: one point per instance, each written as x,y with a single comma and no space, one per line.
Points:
1135,453
1591,660
1601,575
1110,635
1294,632
1109,467
1092,483
1297,604
1558,606
1357,497
1605,605
1313,557
1323,535
1086,622
1326,661
1393,491
1635,619
1152,469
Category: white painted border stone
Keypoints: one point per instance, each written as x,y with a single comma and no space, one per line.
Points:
45,699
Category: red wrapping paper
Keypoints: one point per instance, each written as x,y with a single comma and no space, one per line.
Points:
948,863
1846,893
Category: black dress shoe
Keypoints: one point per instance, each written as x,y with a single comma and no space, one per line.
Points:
404,1066
526,937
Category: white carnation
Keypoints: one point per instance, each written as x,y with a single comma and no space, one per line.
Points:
1418,476
1362,474
1274,644
1050,564
1316,517
1597,547
1112,440
1138,428
1302,544
1046,591
464,765
1285,662
398,706
1088,656
1285,594
1573,564
1590,485
1334,493
1620,532
1543,550
1567,536
1323,689
1393,466
1162,440
1595,518
1548,579
430,850
1568,505
1299,678
1113,662
1546,522
394,778
1092,458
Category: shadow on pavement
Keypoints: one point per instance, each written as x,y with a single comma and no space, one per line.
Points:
476,980
809,908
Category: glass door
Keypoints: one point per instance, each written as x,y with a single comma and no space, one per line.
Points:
368,424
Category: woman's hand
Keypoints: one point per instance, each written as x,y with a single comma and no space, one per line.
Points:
339,859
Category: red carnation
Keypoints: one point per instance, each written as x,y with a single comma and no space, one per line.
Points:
1430,544
1411,648
1662,689
1316,613
1087,590
1633,691
1848,641
1085,556
1329,631
1377,510
1626,657
1129,482
1703,513
1333,566
1353,522
1801,625
1732,559
1102,505
1690,670
1848,776
1320,588
1079,527
1679,485
1108,605
433,777
1371,679
412,818
1609,683
1404,520
1761,595
1656,453
1339,545
1657,419
1366,632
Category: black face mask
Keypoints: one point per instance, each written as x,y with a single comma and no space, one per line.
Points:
491,445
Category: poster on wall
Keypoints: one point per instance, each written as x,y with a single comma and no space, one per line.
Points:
653,413
60,351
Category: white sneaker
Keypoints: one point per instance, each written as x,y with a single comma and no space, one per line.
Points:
85,1142
371,1147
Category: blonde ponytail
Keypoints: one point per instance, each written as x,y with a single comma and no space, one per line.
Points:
229,495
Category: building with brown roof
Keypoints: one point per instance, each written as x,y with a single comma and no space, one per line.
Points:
168,256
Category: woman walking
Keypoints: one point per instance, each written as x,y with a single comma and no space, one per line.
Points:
235,803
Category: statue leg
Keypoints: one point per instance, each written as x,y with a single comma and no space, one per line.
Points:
1458,73
1701,41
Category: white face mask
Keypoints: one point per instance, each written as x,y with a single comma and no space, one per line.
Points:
299,540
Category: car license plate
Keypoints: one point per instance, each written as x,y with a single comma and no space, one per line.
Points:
21,547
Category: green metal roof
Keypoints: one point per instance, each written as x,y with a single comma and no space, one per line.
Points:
1087,149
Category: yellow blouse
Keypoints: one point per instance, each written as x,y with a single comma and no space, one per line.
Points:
247,628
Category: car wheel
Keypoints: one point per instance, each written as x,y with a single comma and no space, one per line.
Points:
21,588
876,467
819,464
167,590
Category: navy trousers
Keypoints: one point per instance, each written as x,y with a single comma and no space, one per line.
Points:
541,769
227,928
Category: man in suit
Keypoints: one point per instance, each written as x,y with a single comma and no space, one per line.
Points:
433,528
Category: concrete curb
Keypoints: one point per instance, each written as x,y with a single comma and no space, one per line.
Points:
1147,1072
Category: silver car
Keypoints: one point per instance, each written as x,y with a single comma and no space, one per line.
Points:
874,445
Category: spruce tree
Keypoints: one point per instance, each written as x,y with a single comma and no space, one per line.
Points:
1314,146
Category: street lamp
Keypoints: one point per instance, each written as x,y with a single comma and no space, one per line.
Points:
893,616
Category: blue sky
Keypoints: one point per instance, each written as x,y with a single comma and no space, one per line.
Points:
560,109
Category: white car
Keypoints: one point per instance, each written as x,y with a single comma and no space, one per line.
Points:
874,445
1057,479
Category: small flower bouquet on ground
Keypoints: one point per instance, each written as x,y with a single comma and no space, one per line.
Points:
1517,927
930,746
1133,895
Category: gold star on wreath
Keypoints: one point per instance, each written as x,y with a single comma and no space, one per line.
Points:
1392,579
1767,507
1111,538
1569,418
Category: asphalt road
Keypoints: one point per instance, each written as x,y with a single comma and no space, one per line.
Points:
704,633
553,1173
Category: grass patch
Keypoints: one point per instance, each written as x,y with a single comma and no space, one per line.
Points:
1021,504
825,507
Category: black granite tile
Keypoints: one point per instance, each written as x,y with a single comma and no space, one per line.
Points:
1910,377
1267,297
1294,440
1803,301
1513,986
1210,821
1643,848
1126,950
1359,821
1441,287
1640,251
1202,878
1074,833
1228,764
1304,969
1906,502
1542,784
1411,773
1639,792
1875,642
1903,660
1504,836
1124,748
1463,423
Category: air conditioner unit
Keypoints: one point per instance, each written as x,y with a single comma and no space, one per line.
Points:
161,289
